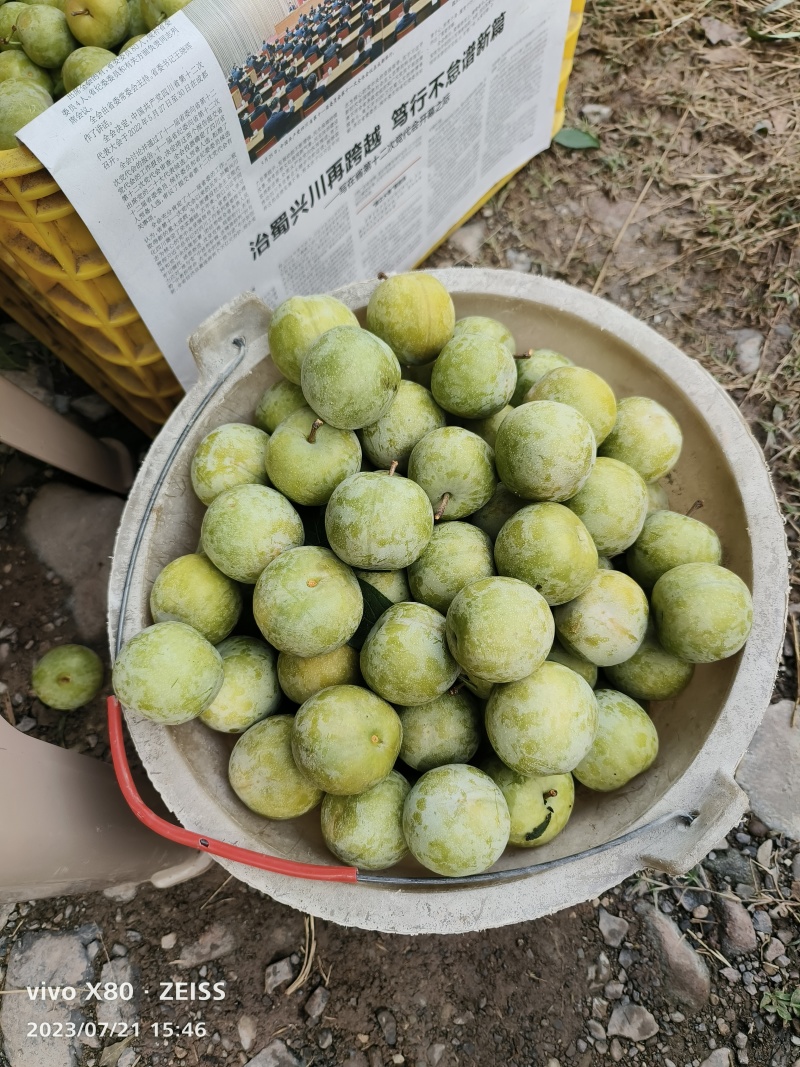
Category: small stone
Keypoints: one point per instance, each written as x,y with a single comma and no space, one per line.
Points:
739,937
599,1008
773,950
767,771
247,1031
743,1059
213,943
26,724
602,1047
742,838
700,912
600,972
581,1045
747,346
468,239
276,1054
325,1039
388,1025
279,973
612,927
720,1057
596,1030
92,407
316,1003
796,867
169,941
614,990
678,1017
762,923
764,852
686,977
118,950
627,957
616,1051
740,1040
633,1022
397,1058
435,1053
520,261
723,1027
596,112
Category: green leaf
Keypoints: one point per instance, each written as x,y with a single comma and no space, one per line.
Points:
569,137
776,5
375,603
757,35
314,525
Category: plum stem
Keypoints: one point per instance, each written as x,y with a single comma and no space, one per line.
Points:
314,427
695,507
525,355
382,276
456,689
374,739
550,793
85,11
442,507
393,467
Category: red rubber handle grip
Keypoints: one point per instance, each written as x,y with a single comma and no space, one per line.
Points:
314,871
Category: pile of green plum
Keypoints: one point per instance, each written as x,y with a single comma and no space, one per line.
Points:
49,47
437,575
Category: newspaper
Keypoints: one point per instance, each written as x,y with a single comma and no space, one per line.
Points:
200,172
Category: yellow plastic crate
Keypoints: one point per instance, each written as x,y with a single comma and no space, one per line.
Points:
58,285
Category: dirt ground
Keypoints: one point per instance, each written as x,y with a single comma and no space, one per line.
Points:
686,214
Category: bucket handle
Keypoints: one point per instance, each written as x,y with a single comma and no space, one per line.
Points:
324,872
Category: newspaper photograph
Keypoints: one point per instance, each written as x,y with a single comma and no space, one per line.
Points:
230,150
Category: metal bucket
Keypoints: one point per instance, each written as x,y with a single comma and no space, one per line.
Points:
704,732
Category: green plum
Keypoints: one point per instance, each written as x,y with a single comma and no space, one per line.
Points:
413,313
98,23
499,629
67,677
474,376
645,436
9,38
606,623
306,459
495,514
532,367
132,40
378,522
657,499
485,428
232,454
405,658
669,539
303,676
456,820
45,35
539,807
612,504
264,775
246,527
297,323
350,377
393,584
277,403
154,12
82,64
544,451
307,602
137,27
20,102
651,673
548,547
456,470
169,673
250,691
703,612
626,743
544,723
15,66
412,414
457,555
366,830
581,666
483,326
191,589
445,730
583,390
346,739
